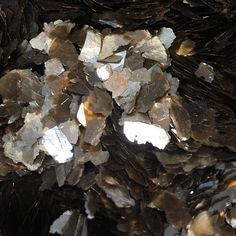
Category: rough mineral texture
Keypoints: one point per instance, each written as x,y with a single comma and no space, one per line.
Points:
118,117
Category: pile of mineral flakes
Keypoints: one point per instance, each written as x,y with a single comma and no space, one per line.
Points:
103,114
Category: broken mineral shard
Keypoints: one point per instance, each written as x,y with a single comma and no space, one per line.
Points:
57,145
153,49
118,82
143,133
166,36
41,42
180,118
120,65
68,224
186,48
53,67
71,131
114,189
91,48
58,29
104,72
206,71
111,43
127,100
23,146
159,113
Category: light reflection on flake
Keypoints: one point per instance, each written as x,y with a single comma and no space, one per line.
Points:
119,66
81,115
91,48
57,145
104,72
58,225
143,133
166,36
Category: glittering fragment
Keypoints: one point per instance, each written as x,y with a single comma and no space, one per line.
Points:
139,37
21,86
81,117
159,113
143,133
100,102
174,84
120,65
153,49
53,67
94,131
186,48
71,131
23,147
57,145
206,71
127,99
231,217
93,154
41,42
91,48
142,75
166,36
104,72
66,52
118,82
114,190
134,117
71,222
58,29
149,92
111,43
177,214
134,62
93,113
180,118
206,224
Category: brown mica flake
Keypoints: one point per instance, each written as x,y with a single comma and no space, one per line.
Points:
159,113
156,88
111,43
206,224
118,82
180,118
56,84
186,48
134,62
206,71
53,67
66,52
91,47
176,212
92,114
114,189
21,86
94,130
58,29
85,152
203,130
128,99
153,49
